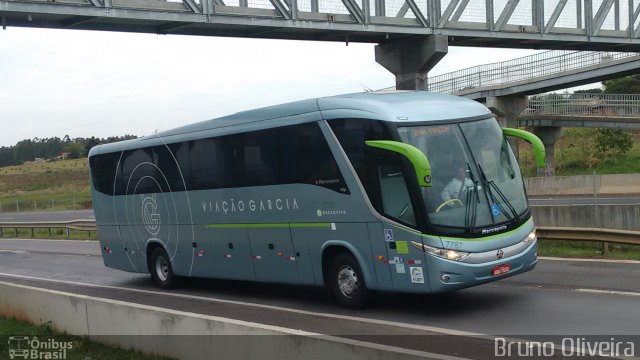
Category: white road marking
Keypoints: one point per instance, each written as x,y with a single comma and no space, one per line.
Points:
13,251
589,260
262,306
608,292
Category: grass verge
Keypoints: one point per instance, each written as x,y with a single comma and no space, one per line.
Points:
587,249
80,348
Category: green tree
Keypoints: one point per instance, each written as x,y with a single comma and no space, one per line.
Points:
612,142
581,151
75,150
623,85
589,91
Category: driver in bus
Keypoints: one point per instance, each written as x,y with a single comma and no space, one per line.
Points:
456,186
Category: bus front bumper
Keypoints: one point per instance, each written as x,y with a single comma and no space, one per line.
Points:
446,275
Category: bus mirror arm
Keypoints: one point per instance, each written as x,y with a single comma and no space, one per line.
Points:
417,158
536,143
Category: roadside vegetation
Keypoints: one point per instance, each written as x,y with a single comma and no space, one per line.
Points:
48,186
81,348
582,151
587,249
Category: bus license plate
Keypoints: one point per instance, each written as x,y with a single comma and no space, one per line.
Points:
500,269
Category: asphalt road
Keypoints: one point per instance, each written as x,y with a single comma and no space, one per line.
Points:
557,298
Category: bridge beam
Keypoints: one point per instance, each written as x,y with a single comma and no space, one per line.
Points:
410,59
549,135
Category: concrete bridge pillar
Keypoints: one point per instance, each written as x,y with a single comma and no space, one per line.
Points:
549,135
411,58
507,109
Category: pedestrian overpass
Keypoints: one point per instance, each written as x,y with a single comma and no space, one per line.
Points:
412,36
610,25
535,74
608,111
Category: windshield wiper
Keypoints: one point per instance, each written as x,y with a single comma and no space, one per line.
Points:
470,212
490,185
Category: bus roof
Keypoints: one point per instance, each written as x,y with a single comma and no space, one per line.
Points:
403,106
392,106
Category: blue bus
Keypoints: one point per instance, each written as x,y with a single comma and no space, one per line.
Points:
398,191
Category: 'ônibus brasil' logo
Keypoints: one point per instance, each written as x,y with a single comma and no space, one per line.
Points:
150,215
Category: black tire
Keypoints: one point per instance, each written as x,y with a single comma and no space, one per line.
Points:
346,282
161,270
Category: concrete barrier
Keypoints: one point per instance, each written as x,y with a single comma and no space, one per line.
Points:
583,185
624,217
126,324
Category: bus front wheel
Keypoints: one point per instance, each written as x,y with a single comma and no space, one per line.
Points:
346,281
160,268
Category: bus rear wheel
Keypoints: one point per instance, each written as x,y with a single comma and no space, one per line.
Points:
346,282
161,270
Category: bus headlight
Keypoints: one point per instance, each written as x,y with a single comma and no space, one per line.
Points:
443,253
530,238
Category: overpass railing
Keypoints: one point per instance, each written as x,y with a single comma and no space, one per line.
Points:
524,68
617,105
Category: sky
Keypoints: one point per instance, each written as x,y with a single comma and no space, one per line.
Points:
90,83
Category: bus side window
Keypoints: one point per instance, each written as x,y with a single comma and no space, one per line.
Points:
316,160
165,158
259,158
138,172
352,134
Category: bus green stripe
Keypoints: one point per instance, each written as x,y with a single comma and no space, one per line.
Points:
256,226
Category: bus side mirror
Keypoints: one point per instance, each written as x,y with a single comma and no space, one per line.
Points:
417,158
536,143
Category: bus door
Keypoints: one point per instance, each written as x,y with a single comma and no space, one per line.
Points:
405,261
272,253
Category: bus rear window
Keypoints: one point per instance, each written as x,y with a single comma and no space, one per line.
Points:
103,172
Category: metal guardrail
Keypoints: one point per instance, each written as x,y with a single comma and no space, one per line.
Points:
605,236
87,225
619,105
521,69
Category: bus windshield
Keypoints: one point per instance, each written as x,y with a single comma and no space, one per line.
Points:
476,179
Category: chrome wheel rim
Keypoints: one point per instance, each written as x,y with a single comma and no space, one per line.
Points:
162,268
348,281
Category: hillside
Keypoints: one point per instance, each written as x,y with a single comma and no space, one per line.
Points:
57,185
